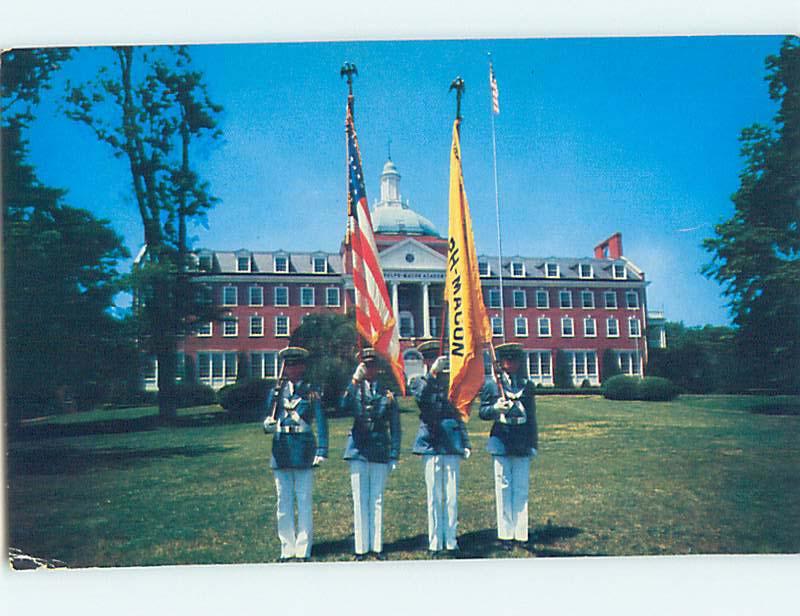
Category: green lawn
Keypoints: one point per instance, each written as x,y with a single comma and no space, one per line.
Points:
698,475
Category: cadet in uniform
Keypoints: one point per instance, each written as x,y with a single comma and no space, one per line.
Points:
292,407
373,449
513,440
442,440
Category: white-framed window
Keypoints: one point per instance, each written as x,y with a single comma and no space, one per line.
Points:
204,294
521,327
320,265
610,299
497,326
230,296
632,299
484,269
281,296
540,367
243,264
406,324
565,298
517,269
306,296
619,272
585,270
256,325
217,368
587,299
206,329
630,362
332,297
634,330
612,327
542,299
582,366
434,325
281,264
264,364
494,297
281,325
520,301
589,327
230,327
567,327
205,263
551,270
256,296
544,327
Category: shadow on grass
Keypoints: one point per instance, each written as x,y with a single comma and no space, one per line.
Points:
73,461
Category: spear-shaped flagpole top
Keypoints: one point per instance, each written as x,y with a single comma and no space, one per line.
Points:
458,86
348,70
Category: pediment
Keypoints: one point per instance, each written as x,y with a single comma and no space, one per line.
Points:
411,255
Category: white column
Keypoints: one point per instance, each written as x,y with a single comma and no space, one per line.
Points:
394,303
426,305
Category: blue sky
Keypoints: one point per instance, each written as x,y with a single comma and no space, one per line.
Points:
595,135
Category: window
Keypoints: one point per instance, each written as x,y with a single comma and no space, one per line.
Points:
497,326
243,264
205,329
619,271
256,326
217,369
542,299
587,299
281,296
517,269
306,296
610,299
256,296
540,367
494,298
612,328
521,327
544,327
332,296
435,298
585,271
205,263
567,327
434,325
634,331
281,265
406,324
630,362
230,327
483,268
230,296
582,366
565,299
281,325
519,299
551,270
320,265
204,295
264,365
589,327
632,299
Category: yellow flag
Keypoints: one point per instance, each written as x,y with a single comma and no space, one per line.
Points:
468,321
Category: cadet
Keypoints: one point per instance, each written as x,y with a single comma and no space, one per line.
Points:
292,407
442,440
512,441
373,449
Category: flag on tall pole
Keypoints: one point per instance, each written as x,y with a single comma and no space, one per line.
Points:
468,321
495,91
374,318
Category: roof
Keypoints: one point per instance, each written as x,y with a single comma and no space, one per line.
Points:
401,220
534,267
225,261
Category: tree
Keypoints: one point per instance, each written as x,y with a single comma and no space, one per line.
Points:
149,107
60,262
756,253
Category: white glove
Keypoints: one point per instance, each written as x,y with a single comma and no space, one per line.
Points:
317,460
502,405
360,373
393,465
437,366
270,424
467,453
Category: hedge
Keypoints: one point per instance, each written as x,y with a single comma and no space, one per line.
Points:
245,400
651,388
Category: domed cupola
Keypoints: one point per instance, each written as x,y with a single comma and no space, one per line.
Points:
391,215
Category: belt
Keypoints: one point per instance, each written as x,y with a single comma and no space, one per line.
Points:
293,429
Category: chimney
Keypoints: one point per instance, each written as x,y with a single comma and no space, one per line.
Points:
610,248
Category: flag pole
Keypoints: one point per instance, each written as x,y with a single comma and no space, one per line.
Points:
494,110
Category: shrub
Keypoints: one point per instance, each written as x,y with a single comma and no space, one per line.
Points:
585,384
194,394
245,400
610,365
621,387
656,388
562,377
651,388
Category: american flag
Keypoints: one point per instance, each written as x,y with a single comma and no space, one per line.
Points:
374,318
495,92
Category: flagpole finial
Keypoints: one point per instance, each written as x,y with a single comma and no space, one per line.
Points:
458,86
348,70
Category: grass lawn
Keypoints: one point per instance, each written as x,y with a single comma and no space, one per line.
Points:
699,475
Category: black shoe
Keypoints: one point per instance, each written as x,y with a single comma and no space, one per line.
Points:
379,555
359,558
507,544
453,553
304,559
435,554
285,559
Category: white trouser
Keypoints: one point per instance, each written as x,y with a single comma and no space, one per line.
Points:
294,484
441,481
368,480
511,478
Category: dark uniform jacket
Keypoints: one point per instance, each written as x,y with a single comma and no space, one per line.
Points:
507,439
293,444
375,436
441,429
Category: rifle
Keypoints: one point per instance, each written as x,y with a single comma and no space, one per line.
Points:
277,392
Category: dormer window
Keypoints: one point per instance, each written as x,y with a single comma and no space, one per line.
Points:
243,263
281,264
585,270
551,270
619,271
484,269
205,263
320,265
517,269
